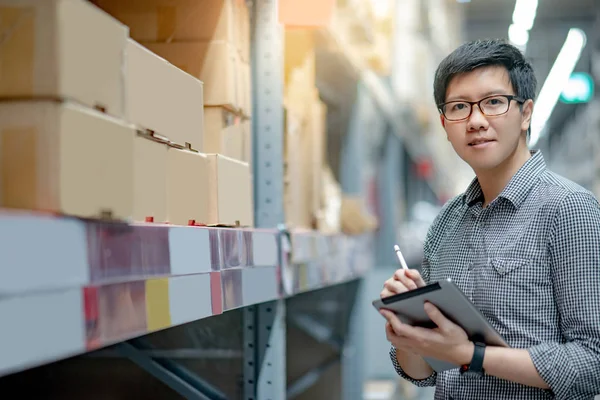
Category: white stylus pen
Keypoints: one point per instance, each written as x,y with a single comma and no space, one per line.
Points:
400,257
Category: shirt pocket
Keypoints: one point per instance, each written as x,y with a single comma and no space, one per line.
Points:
504,267
518,275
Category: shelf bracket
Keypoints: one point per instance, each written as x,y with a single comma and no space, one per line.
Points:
311,377
184,382
317,331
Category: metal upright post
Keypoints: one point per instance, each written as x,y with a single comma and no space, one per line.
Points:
268,120
352,160
264,324
353,357
388,195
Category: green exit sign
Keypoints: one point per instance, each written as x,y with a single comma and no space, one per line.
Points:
579,89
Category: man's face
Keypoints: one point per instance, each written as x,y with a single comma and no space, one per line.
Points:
486,142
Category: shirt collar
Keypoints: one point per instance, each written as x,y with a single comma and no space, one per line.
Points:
518,187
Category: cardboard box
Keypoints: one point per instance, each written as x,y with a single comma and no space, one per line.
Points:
175,20
243,29
62,48
247,139
300,73
299,45
223,133
306,13
150,180
245,89
230,189
187,182
214,63
315,152
305,152
163,98
294,193
65,158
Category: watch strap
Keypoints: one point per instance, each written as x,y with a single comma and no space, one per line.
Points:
477,360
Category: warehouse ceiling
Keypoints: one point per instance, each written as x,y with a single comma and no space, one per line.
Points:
554,18
548,10
482,19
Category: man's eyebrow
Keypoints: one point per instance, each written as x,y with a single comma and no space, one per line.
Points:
484,95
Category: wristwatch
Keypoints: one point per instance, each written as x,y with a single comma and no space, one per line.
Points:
475,368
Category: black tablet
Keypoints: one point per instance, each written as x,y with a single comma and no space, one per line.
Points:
452,302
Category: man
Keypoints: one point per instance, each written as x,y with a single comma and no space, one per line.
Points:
521,242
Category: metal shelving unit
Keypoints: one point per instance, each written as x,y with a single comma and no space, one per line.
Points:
89,285
211,313
182,302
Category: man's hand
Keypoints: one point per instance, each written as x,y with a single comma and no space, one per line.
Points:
448,342
402,281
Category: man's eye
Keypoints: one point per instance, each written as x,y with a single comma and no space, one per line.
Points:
495,102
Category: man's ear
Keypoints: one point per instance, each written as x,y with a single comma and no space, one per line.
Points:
443,122
526,112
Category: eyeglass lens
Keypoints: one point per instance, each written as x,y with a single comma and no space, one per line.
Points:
457,110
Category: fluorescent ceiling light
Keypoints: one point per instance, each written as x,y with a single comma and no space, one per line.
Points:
524,13
523,18
381,8
517,35
555,82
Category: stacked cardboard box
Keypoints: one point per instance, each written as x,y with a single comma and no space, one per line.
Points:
209,39
304,158
63,144
305,136
93,124
166,104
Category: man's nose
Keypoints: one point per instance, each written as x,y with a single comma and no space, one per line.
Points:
477,120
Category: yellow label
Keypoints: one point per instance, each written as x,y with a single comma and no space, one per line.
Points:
18,168
157,304
17,51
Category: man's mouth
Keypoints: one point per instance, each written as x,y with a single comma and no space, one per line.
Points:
479,142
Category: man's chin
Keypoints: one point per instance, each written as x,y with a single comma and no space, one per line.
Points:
482,164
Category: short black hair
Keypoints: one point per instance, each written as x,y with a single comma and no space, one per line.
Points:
483,53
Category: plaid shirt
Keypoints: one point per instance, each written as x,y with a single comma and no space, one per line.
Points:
530,262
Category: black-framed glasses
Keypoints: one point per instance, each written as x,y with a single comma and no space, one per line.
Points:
490,106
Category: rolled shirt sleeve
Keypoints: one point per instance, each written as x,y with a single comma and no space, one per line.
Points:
429,381
425,274
572,368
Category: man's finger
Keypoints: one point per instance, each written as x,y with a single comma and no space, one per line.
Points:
393,321
437,317
400,276
400,328
404,343
399,342
389,332
394,287
415,276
